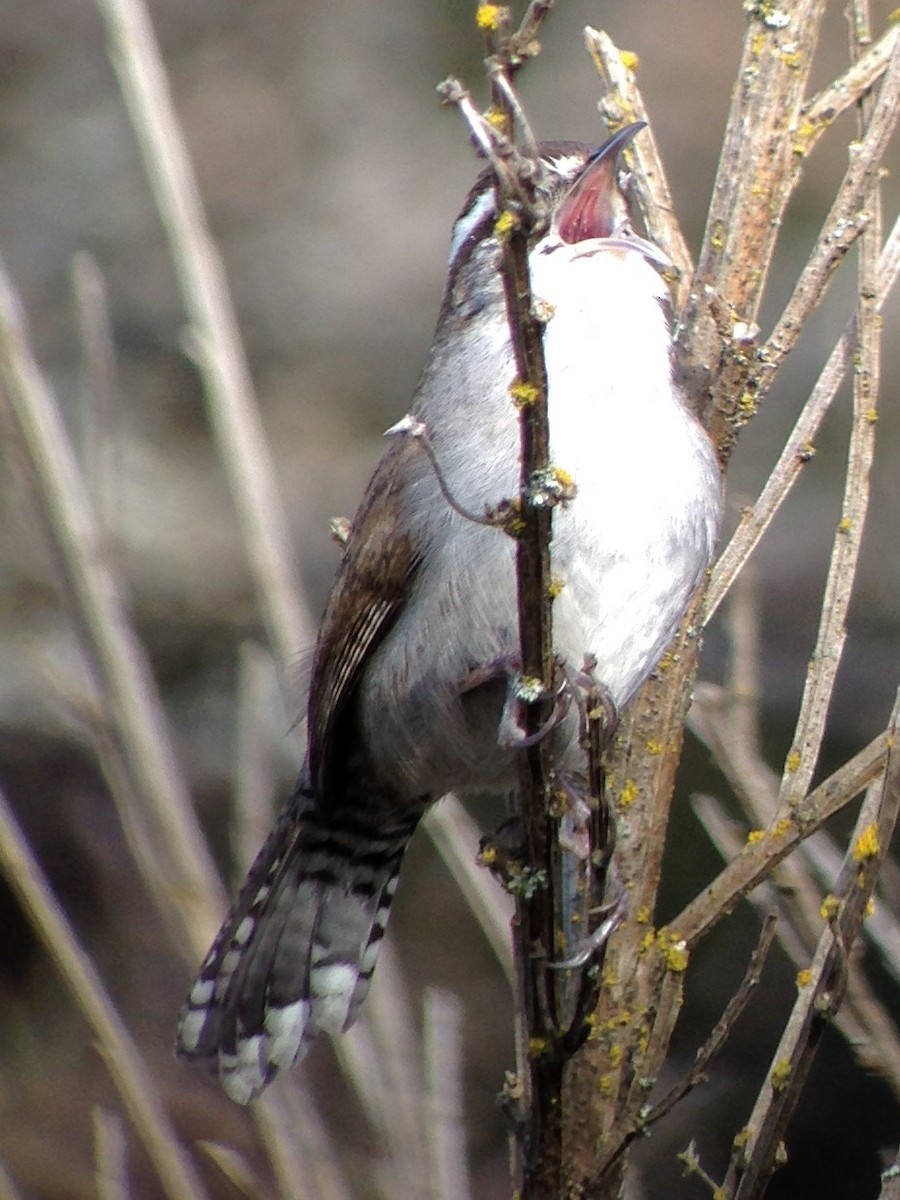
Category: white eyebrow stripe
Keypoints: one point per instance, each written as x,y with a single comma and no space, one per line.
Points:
470,220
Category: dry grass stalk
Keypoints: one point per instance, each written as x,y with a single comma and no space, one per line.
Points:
175,1171
772,128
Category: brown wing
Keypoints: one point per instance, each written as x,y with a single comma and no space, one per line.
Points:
371,585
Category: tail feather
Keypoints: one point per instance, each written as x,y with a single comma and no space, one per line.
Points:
297,952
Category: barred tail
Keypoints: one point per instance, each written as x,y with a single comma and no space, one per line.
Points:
297,952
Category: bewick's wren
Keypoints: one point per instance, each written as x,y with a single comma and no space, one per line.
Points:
424,602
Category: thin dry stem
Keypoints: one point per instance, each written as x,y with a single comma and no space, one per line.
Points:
862,1019
821,110
819,997
800,445
623,105
380,1057
760,858
723,1027
131,708
101,390
235,1169
129,1074
255,784
847,220
445,1122
826,657
456,838
110,1156
214,339
305,1160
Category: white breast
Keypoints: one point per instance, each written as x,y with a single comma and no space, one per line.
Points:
628,550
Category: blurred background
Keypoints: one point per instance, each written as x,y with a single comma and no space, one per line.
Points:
331,176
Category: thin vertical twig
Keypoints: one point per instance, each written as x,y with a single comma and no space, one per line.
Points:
456,839
110,1156
512,152
538,914
101,400
803,755
445,1122
255,787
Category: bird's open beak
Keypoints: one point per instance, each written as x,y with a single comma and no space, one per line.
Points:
594,206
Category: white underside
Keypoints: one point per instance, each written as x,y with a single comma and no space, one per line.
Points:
628,550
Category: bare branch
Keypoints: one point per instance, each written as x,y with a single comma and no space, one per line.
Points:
821,110
623,105
800,445
804,752
723,1027
820,994
761,856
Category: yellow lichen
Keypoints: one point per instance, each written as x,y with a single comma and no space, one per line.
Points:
867,844
674,950
523,393
642,916
629,59
556,587
564,479
804,978
845,525
741,1138
793,762
872,416
677,957
630,793
487,16
754,836
747,406
654,748
781,1073
505,224
830,907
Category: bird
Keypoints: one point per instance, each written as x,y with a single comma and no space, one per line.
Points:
410,678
